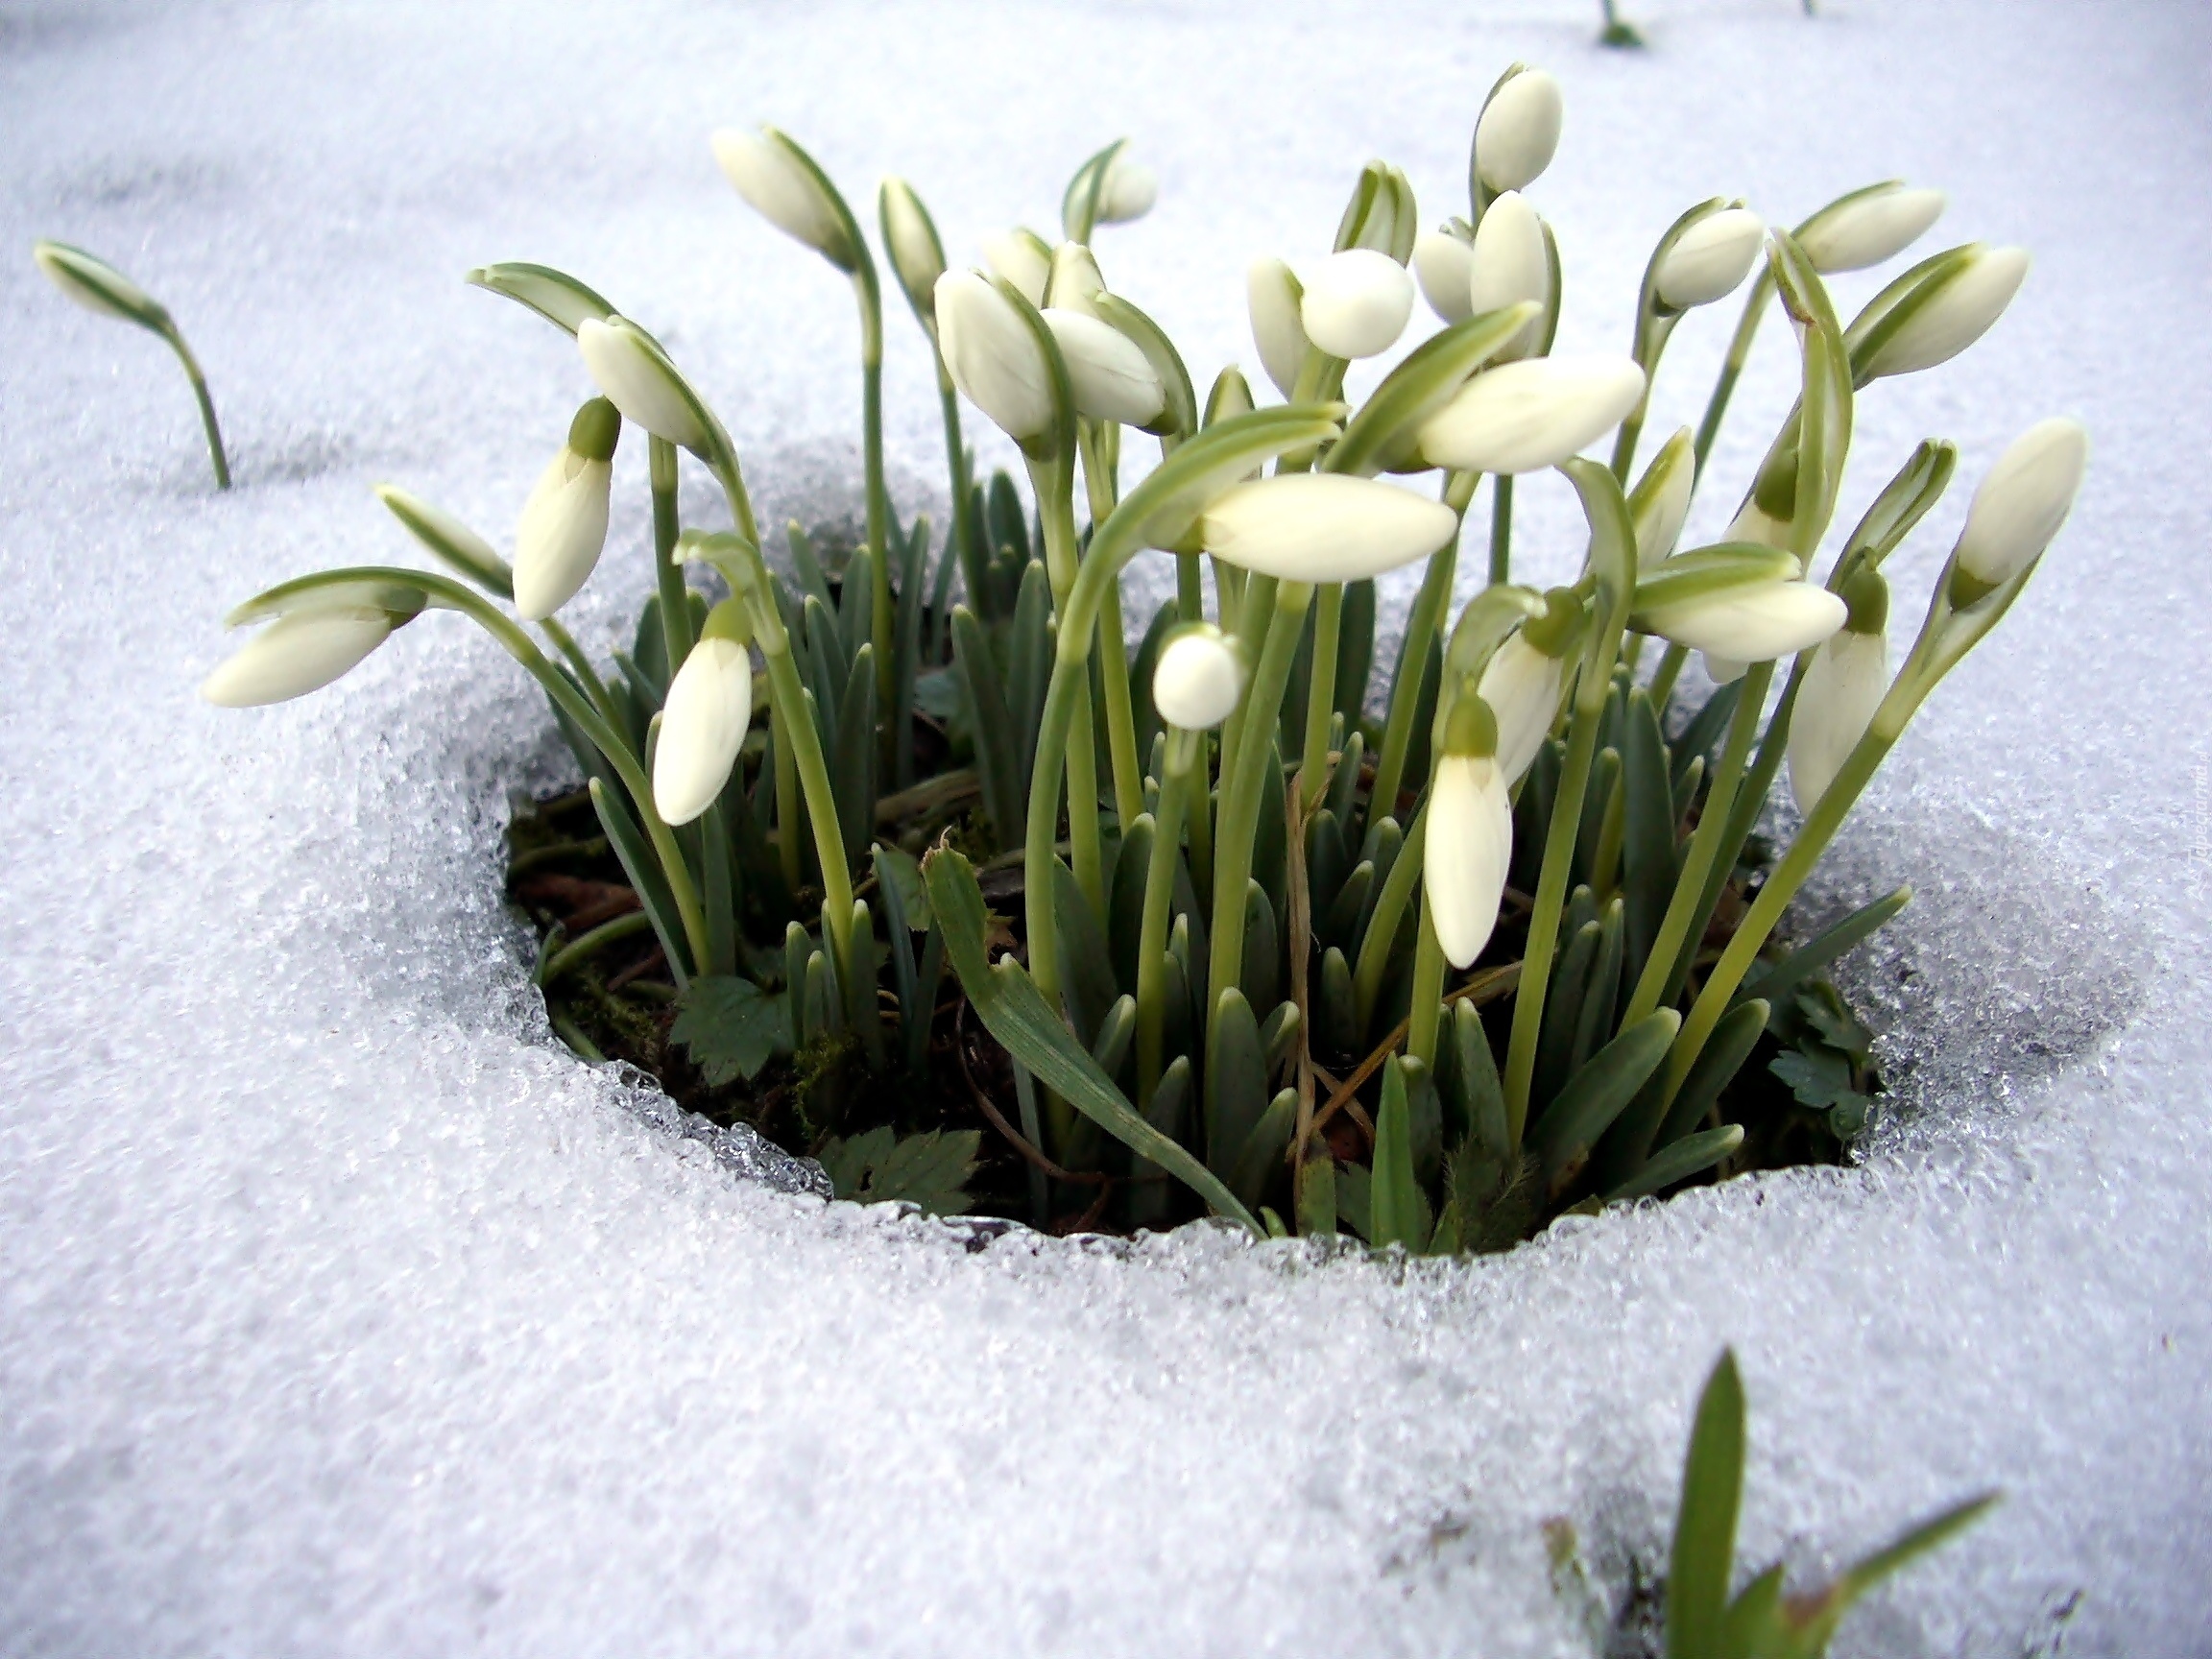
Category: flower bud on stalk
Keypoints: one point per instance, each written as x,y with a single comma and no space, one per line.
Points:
1323,526
1868,227
1111,377
1518,132
992,355
1524,417
1129,190
1520,684
1444,264
917,255
1661,500
1752,623
1469,832
2018,508
1843,684
1201,677
1273,294
767,170
1508,266
1356,304
302,651
564,525
703,721
1942,315
1024,258
637,379
1711,258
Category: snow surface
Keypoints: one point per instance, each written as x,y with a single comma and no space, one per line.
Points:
344,1313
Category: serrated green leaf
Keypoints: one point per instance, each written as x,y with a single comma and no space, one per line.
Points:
731,1027
1820,1078
930,1169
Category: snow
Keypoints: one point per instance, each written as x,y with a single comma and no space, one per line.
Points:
344,1313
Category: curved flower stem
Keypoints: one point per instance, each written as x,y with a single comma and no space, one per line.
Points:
1054,480
1732,367
972,569
565,642
788,809
1381,936
881,619
1421,624
1664,676
1501,528
1190,588
1100,487
1320,696
1159,900
1426,1013
200,396
675,604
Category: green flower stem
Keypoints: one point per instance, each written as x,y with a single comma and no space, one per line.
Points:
956,480
1085,850
565,642
1422,623
200,394
882,620
784,693
675,605
1687,907
1320,695
1242,790
1664,676
788,807
1120,711
1732,367
1159,898
1426,1014
1382,934
1190,588
1199,811
1500,529
589,945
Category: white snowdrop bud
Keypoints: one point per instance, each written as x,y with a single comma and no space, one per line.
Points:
629,369
1356,302
770,174
1323,526
1868,227
1711,258
992,355
1444,265
1110,378
564,525
1524,417
97,285
1200,679
302,651
1273,294
2022,501
1953,318
1752,623
1836,702
911,238
1510,266
1519,131
703,721
1521,685
1129,190
1467,850
1075,283
1661,500
1024,258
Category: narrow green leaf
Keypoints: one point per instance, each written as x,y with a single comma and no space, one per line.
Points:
1236,1081
1354,667
1596,1094
997,763
1115,1031
1692,1155
1474,1071
1398,1208
1703,1557
1086,971
1825,947
1754,1626
635,855
1029,666
1260,1158
854,758
1335,1009
1813,1621
1647,848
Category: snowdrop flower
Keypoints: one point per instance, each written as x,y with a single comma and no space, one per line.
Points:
771,173
911,238
992,355
1469,832
1444,265
1519,131
302,651
636,379
1024,258
1520,684
98,286
1843,684
1868,227
1954,316
1201,677
2021,503
1129,191
1509,265
703,721
1075,283
564,523
1661,500
1356,304
1752,623
1323,526
1711,258
1273,294
1524,417
1111,377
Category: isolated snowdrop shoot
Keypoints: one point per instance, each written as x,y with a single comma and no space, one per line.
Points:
2020,504
1954,316
98,286
1273,294
1510,266
910,236
1752,623
1323,526
992,356
302,651
1524,417
1356,302
767,170
1129,190
1519,131
564,525
1444,265
633,377
1024,258
1868,227
1201,677
1711,258
703,721
1112,380
1843,684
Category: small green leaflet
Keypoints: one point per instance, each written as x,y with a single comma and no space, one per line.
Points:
930,1169
903,869
731,1027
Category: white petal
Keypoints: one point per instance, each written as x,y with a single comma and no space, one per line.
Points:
1444,265
1870,229
626,370
1112,378
1271,293
1519,131
1958,315
1129,191
1023,259
1524,417
564,528
1844,685
2023,500
1468,849
1755,623
780,190
992,355
1510,266
300,652
1522,684
701,728
1199,679
1324,527
1357,302
1711,257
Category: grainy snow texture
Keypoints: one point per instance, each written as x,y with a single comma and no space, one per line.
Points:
343,1313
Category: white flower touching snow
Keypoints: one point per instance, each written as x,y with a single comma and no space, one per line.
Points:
2023,500
1711,258
563,526
703,721
302,651
1467,850
1323,526
1519,131
1524,417
992,355
1201,677
1356,304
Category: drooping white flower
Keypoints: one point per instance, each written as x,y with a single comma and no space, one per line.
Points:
1510,266
1444,266
1711,257
1752,623
564,525
910,236
1323,526
1111,378
1524,417
1519,131
1753,523
1273,294
2023,500
302,651
1356,302
93,283
633,375
1836,703
992,356
1201,677
1521,685
1959,314
1129,190
1661,500
703,720
768,172
1467,850
1024,258
1868,227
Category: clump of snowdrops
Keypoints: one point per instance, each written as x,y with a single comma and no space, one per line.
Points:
1430,972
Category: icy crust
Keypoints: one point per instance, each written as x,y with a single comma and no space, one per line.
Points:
344,1313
